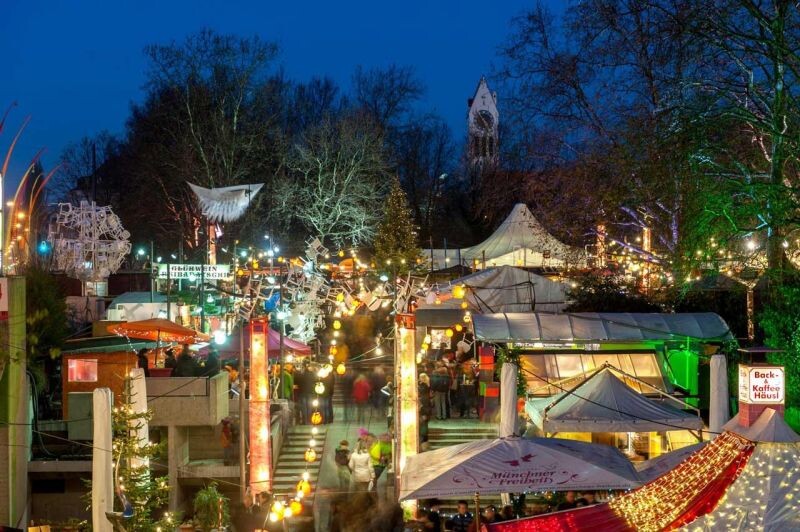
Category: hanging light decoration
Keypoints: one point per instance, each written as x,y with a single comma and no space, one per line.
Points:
304,487
458,327
448,333
459,291
340,369
310,456
297,506
316,418
464,305
319,388
337,325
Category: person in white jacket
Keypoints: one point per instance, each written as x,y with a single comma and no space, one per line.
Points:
361,466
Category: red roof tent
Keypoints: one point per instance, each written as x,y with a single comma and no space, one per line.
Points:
230,349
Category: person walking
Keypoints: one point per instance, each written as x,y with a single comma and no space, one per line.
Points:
425,405
142,361
186,365
327,397
361,466
361,391
342,459
388,392
227,440
381,455
466,390
212,364
440,383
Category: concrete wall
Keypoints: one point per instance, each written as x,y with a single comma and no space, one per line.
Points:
188,401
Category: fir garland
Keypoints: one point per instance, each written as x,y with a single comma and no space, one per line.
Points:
512,356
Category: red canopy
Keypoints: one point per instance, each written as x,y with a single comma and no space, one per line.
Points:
230,349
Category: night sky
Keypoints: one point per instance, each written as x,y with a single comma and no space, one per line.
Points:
75,66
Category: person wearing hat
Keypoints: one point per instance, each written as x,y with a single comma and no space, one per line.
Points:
342,459
169,359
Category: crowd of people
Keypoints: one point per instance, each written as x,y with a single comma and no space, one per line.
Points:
431,518
186,364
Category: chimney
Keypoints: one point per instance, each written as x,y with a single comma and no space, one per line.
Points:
760,387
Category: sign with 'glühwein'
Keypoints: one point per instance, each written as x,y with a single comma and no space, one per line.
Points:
192,271
762,384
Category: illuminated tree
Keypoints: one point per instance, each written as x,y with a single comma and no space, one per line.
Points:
396,239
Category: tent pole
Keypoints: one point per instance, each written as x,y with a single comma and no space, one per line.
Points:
477,511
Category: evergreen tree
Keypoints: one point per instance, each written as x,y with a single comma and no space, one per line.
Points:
396,239
140,496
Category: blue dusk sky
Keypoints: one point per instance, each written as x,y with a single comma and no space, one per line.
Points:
76,66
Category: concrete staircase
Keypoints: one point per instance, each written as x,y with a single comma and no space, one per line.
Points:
291,464
453,432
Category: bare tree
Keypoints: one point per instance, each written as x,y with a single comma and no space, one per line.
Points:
338,177
79,161
386,94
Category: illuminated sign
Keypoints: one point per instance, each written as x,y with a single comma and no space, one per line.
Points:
192,271
762,384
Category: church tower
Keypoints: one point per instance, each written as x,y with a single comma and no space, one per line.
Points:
482,119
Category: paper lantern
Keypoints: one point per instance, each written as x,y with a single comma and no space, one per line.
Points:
340,369
311,455
459,291
304,487
316,418
319,388
337,324
297,506
448,333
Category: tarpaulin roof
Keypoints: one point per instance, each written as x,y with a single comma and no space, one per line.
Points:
769,427
655,467
677,498
513,465
604,403
231,345
158,330
519,241
598,326
500,289
522,234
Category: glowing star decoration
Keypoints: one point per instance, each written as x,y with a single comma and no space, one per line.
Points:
88,241
260,441
225,204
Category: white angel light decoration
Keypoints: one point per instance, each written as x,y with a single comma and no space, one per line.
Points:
225,204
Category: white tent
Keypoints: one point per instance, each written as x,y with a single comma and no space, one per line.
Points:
655,467
766,494
501,289
519,241
604,403
515,464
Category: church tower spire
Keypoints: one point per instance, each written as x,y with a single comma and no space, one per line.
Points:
482,118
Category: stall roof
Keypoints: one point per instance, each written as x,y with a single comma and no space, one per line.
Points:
104,344
598,326
604,403
128,298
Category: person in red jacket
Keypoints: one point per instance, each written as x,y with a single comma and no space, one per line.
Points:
361,391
